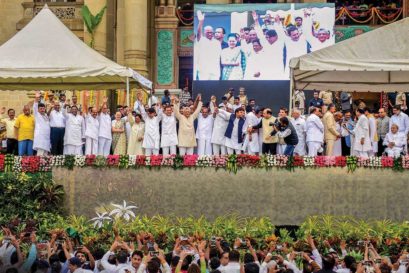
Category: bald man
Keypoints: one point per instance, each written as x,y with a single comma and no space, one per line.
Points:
207,52
91,132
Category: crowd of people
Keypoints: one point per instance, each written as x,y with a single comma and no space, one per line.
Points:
261,51
62,254
234,125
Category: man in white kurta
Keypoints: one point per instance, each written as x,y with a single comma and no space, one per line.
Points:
151,138
42,143
251,142
169,138
362,142
74,132
300,127
91,132
314,132
233,145
373,133
273,45
105,131
204,132
207,52
218,139
394,141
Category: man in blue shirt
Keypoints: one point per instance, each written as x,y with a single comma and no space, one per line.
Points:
316,101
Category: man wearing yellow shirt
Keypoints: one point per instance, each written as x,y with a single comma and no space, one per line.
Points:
24,128
10,134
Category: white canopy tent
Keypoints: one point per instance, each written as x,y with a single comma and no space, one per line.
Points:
46,55
377,61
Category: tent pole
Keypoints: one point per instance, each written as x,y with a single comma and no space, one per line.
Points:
127,91
291,92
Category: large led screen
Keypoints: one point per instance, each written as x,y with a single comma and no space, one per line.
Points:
248,42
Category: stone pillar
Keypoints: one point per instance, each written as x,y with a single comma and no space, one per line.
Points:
135,34
166,60
100,43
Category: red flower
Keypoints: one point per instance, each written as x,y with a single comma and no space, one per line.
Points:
90,159
2,162
340,161
140,160
30,164
387,161
319,161
113,160
190,160
156,160
298,161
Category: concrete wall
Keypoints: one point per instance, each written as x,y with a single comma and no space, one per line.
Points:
285,197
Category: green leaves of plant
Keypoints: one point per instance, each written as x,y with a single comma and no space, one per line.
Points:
91,21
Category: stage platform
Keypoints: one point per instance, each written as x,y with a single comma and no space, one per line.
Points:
286,197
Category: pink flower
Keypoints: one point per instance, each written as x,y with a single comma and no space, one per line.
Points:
112,160
190,160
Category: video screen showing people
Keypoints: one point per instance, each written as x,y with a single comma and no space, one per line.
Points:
257,43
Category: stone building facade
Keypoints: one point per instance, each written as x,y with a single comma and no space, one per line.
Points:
150,36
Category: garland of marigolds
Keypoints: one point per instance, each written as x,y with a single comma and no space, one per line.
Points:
230,163
372,11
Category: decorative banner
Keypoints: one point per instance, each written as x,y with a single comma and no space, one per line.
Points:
344,33
164,51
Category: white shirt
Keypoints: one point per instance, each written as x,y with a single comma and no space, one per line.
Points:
314,129
105,127
208,58
41,130
75,130
204,127
57,119
169,134
231,267
399,139
151,137
402,120
91,127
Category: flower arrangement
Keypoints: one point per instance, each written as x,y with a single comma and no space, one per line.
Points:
231,163
112,160
100,161
17,164
90,160
79,161
219,161
340,161
69,162
405,162
204,161
387,162
156,160
309,161
140,160
168,160
8,163
375,162
58,161
123,161
245,160
298,161
45,164
131,161
352,163
190,160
